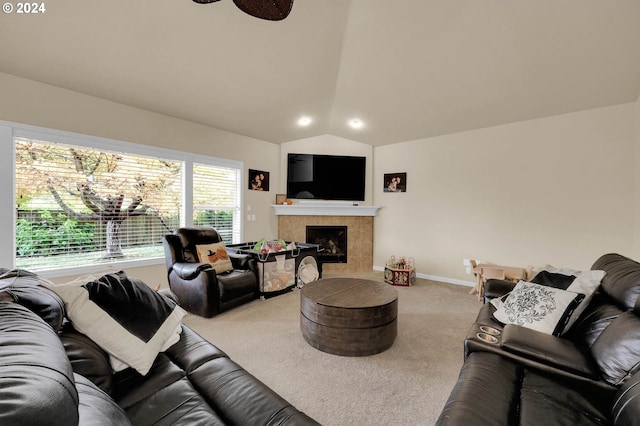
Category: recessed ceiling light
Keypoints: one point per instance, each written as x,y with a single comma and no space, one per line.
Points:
304,121
356,124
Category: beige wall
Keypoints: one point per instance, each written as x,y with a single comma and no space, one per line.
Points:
558,190
29,102
636,246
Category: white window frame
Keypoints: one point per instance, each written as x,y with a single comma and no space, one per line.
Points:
207,161
9,131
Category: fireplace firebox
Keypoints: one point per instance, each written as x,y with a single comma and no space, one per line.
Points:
332,240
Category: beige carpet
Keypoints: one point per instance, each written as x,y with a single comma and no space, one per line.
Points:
406,385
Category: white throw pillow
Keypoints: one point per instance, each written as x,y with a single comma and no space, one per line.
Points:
542,308
585,282
124,316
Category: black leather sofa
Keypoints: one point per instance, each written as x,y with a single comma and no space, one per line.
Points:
588,376
52,374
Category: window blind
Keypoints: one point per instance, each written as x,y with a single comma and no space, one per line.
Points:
216,199
77,205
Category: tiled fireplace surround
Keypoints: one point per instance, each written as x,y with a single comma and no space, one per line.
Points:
359,236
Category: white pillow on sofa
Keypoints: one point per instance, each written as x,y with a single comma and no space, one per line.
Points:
582,282
585,282
128,319
542,308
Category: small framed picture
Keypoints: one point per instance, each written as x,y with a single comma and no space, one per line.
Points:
395,182
258,180
281,198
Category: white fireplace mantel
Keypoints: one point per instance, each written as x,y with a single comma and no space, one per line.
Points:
320,209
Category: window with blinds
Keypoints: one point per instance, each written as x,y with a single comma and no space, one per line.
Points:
216,199
77,205
84,205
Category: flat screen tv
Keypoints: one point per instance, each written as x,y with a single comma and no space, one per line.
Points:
326,177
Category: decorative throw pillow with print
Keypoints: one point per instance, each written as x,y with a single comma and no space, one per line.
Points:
542,308
216,255
580,282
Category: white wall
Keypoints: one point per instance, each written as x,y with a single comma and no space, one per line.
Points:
29,102
558,190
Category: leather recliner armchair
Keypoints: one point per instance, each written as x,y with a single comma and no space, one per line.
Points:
196,286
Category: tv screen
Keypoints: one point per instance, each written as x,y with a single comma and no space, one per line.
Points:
326,177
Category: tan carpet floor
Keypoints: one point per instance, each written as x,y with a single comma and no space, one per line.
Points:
406,385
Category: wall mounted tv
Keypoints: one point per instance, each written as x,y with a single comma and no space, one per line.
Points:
326,177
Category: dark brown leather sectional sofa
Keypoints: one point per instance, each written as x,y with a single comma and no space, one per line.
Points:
588,376
52,374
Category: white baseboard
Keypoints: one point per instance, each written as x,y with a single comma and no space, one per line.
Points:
436,278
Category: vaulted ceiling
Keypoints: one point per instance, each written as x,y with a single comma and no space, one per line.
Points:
409,69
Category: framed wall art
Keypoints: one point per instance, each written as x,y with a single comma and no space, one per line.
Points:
258,180
395,182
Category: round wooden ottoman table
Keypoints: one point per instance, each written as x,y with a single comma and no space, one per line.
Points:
349,316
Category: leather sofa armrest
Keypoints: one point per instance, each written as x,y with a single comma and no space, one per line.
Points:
240,261
192,350
549,350
244,262
189,271
626,404
37,379
497,288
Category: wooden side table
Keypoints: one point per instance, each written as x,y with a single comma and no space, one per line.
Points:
486,271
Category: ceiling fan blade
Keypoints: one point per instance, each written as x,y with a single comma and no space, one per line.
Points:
273,10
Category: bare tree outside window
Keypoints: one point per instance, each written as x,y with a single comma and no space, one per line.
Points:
90,186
